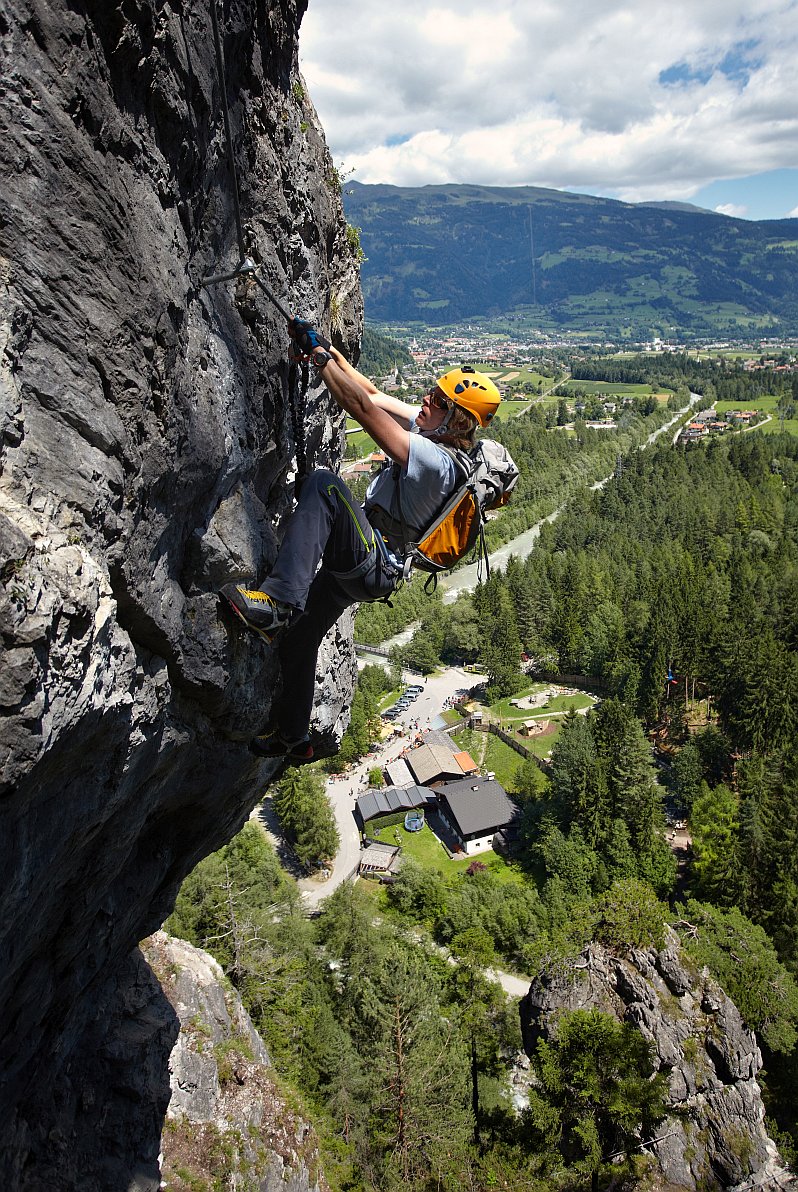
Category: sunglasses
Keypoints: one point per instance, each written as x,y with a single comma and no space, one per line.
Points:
439,401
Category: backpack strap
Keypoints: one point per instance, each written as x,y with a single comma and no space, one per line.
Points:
462,461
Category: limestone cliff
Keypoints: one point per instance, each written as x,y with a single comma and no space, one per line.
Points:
227,1119
716,1137
148,453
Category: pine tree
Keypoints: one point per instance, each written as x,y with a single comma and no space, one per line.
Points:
480,1000
636,798
420,1119
597,1074
714,825
501,651
306,816
577,779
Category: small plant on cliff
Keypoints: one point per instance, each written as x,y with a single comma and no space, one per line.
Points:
224,1054
353,240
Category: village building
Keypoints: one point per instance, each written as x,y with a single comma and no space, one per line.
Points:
398,773
431,764
475,810
379,861
374,804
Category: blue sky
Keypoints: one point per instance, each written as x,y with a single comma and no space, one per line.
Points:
759,196
689,100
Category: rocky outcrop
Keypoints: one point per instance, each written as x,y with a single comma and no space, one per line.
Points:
226,1115
148,453
716,1137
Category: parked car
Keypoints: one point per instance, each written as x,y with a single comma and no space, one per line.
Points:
416,689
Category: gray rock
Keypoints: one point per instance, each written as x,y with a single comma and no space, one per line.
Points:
220,1081
717,1136
148,452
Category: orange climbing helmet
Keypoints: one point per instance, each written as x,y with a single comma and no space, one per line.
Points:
471,390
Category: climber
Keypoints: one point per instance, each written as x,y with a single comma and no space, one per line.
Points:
300,602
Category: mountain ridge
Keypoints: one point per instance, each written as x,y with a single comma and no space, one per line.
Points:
445,253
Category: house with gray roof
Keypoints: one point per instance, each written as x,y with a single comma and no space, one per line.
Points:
434,736
398,773
433,763
474,810
374,803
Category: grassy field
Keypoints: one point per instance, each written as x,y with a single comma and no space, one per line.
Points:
495,756
768,405
517,376
542,746
503,760
775,427
556,703
613,388
358,445
426,849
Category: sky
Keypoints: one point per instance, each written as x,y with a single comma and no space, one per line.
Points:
685,100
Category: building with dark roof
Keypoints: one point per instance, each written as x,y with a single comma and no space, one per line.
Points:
475,809
374,804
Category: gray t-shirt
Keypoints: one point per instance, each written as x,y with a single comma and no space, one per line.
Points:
429,478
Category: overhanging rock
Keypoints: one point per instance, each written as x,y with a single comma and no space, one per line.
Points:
148,454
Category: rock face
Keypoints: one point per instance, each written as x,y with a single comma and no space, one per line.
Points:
717,1137
148,453
226,1115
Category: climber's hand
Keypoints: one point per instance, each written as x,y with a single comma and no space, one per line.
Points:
306,337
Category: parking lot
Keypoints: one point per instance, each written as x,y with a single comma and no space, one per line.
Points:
405,701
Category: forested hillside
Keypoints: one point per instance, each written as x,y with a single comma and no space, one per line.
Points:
379,354
444,254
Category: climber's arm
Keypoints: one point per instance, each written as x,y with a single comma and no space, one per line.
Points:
376,412
400,410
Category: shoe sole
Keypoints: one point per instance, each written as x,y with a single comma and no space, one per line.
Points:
267,637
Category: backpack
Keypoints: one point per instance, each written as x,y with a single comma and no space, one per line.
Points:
488,476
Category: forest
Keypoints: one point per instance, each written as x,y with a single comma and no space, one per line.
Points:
675,587
722,379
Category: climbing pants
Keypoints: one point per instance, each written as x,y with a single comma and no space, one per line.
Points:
327,527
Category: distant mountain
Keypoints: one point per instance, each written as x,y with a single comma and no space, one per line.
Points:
444,254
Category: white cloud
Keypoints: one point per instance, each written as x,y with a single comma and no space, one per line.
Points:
792,214
732,209
563,94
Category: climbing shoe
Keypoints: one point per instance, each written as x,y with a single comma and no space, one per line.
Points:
275,745
259,611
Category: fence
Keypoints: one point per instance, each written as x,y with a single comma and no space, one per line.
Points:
482,726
